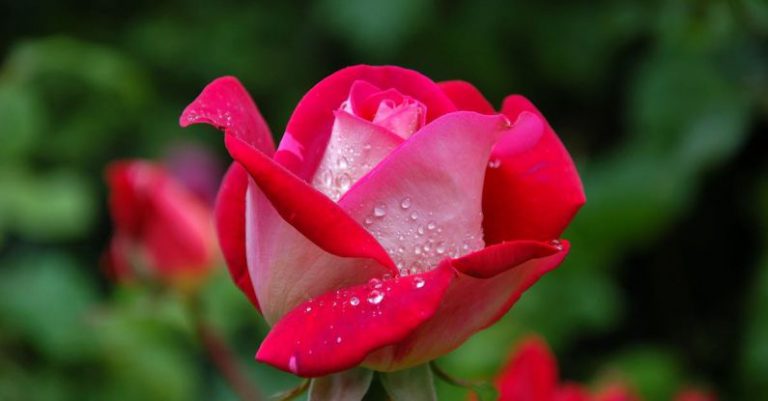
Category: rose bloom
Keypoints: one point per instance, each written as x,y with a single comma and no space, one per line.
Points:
162,230
397,217
531,374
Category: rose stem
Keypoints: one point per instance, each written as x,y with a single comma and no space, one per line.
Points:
223,357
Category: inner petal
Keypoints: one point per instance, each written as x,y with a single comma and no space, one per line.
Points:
354,148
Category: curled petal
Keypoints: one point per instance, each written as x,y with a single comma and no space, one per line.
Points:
498,258
534,190
226,105
336,331
530,375
469,305
308,210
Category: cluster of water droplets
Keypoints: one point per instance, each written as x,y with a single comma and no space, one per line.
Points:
414,239
340,168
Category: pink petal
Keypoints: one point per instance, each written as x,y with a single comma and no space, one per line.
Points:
469,305
337,330
498,258
534,192
423,202
229,213
226,105
355,147
530,375
309,211
466,97
310,125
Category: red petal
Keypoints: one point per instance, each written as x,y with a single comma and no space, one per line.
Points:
530,375
316,216
498,258
230,227
469,306
466,97
535,192
226,105
336,331
310,125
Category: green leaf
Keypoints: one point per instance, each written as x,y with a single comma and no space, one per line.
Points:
350,385
415,383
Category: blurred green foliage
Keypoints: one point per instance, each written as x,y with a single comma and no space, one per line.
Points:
662,103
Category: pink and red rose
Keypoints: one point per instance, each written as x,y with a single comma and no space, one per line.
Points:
162,230
397,217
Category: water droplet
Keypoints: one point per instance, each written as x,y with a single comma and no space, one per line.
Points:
327,178
338,340
400,250
368,221
494,163
557,244
431,225
414,215
426,247
367,146
405,203
420,230
417,250
440,248
343,163
344,181
308,309
375,283
380,210
375,297
418,282
354,301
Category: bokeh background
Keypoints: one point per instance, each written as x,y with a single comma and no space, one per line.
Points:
663,105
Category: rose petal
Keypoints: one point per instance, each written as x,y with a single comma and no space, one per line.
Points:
337,330
229,214
466,97
530,375
423,202
310,125
226,105
355,147
535,191
498,258
309,211
469,305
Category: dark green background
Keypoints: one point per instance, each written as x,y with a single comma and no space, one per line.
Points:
663,105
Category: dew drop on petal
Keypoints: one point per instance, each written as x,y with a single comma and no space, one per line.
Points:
354,301
495,163
342,162
440,248
414,215
380,210
418,282
557,244
338,340
293,364
375,297
344,181
405,203
431,225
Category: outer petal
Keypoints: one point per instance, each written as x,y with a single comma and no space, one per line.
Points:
530,375
469,305
309,211
337,330
229,213
534,192
423,202
466,97
496,259
310,125
226,105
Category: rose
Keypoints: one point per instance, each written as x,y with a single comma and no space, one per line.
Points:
397,217
162,230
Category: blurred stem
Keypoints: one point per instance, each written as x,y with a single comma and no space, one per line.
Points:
294,392
473,386
222,356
